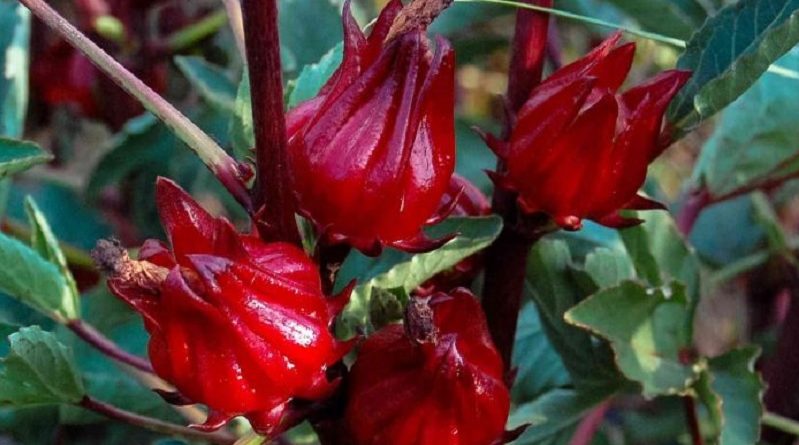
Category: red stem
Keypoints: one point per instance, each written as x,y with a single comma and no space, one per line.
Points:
103,344
506,264
588,427
527,53
779,371
692,420
157,425
272,192
696,202
506,259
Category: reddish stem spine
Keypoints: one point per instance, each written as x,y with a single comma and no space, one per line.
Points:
506,259
272,192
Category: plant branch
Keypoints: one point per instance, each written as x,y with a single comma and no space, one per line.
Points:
505,271
695,203
700,199
781,423
585,19
103,344
157,425
528,53
588,427
221,164
506,258
779,370
692,420
233,8
272,194
190,35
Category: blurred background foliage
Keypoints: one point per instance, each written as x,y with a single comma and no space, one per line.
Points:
106,155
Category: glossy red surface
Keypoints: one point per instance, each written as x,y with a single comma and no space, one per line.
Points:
239,325
371,156
579,148
448,392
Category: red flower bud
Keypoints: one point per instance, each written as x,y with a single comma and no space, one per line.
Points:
372,154
579,149
236,323
438,380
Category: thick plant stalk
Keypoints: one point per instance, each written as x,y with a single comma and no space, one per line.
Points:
272,194
215,158
157,425
506,259
528,53
780,370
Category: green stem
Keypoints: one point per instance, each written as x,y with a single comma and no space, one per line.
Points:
190,35
781,423
568,15
236,20
221,164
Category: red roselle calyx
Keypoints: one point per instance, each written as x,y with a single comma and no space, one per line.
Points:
371,156
580,149
237,324
436,380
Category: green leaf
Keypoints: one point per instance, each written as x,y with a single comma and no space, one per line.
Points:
313,77
242,130
38,371
210,81
660,253
732,392
729,53
387,306
755,140
553,413
551,282
674,18
395,269
647,329
143,140
45,243
538,366
17,156
309,28
30,426
727,232
28,277
14,61
608,267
